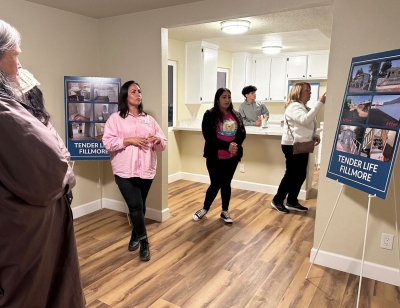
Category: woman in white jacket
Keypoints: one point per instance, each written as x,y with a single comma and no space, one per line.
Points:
299,126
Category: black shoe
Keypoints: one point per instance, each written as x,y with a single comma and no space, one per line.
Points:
134,242
297,207
144,250
279,207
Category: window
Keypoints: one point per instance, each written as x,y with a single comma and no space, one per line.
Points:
172,85
222,77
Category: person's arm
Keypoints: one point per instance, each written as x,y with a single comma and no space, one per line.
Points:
297,113
244,119
265,110
32,165
112,142
158,138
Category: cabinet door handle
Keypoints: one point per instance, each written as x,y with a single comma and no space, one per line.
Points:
304,75
309,75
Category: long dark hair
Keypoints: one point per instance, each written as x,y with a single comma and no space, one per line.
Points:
34,97
123,99
218,117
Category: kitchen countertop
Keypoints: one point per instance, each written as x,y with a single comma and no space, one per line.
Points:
274,130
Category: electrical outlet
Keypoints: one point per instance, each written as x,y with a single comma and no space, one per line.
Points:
387,241
241,168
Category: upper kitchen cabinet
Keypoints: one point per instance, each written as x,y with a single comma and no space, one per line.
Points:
270,78
201,72
278,83
317,67
297,67
262,77
311,66
241,74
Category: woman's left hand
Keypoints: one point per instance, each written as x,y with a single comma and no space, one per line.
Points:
154,139
316,140
233,148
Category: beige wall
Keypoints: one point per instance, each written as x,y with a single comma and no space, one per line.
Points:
57,44
351,39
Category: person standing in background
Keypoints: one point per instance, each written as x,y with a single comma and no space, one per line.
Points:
224,133
132,138
299,126
252,110
38,256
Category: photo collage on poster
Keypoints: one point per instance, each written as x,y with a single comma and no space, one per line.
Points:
365,145
371,110
89,102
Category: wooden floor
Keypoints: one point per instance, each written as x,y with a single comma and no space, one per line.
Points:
261,260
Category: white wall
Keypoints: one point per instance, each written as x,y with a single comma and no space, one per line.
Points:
377,32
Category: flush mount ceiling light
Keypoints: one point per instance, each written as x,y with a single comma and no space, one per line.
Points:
271,50
236,26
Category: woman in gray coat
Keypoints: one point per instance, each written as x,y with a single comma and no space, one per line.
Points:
38,256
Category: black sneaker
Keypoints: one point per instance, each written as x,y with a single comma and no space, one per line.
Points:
279,207
134,242
226,217
199,214
144,252
297,207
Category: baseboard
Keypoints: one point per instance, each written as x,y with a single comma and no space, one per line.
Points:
353,266
84,209
174,177
263,188
151,213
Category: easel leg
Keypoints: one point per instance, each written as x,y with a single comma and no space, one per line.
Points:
326,228
363,253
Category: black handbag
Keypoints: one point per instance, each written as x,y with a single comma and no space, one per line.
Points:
301,147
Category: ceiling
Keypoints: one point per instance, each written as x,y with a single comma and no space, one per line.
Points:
109,8
296,31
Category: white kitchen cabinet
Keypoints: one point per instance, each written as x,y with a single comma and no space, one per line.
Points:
262,77
241,74
278,81
297,67
201,72
317,67
270,78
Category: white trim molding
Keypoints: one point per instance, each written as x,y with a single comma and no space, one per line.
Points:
353,266
263,188
84,209
81,210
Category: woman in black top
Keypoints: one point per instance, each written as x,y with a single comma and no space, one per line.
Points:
224,133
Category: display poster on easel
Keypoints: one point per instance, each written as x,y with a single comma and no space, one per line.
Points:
89,102
367,134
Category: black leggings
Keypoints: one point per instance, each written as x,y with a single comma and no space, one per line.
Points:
221,172
134,191
296,171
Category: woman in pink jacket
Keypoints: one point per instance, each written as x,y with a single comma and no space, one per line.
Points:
132,137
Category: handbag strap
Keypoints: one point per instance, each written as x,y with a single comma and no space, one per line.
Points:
289,128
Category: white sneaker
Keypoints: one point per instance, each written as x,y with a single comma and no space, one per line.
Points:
199,214
226,217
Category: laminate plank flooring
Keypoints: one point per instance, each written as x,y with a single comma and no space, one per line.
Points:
258,261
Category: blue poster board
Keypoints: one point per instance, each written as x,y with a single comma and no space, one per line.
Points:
89,102
366,140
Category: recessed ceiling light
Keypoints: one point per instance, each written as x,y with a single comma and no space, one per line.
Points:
271,50
235,26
